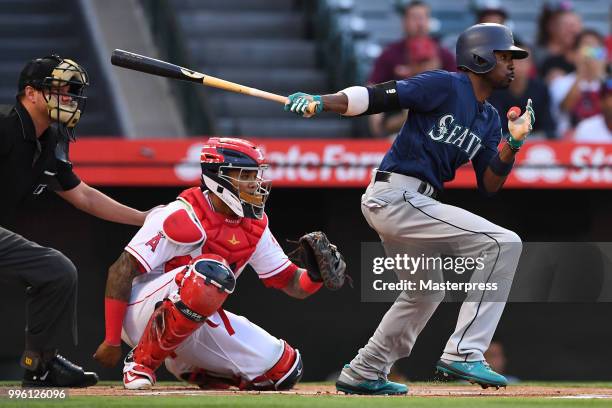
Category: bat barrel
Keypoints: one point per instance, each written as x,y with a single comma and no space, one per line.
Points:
148,65
154,66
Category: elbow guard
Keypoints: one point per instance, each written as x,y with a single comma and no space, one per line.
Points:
383,98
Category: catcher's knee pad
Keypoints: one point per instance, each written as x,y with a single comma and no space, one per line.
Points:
203,287
287,371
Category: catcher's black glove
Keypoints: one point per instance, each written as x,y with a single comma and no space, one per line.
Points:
321,259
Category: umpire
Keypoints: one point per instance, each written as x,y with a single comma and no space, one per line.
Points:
34,138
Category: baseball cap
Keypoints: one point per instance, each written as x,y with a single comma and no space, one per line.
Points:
36,70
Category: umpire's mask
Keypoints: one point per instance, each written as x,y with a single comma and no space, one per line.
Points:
62,82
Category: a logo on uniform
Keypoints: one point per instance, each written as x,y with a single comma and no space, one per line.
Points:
233,241
153,242
39,189
447,131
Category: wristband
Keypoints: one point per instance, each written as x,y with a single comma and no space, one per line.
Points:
114,312
500,167
514,144
308,285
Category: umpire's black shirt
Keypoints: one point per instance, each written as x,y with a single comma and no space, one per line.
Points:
28,165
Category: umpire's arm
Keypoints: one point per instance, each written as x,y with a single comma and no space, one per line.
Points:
98,204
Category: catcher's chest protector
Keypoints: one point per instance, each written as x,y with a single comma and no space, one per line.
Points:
234,241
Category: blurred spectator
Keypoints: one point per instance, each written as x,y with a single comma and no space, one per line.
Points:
575,96
496,357
393,63
558,29
598,128
490,11
423,57
397,60
522,88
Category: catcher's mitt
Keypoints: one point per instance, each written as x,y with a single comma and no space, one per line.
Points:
321,259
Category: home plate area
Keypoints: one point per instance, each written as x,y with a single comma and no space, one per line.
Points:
418,390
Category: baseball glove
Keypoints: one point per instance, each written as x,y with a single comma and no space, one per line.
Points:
321,259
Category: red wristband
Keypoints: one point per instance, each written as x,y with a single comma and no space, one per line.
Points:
308,285
114,312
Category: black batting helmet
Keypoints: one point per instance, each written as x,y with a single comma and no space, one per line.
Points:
476,46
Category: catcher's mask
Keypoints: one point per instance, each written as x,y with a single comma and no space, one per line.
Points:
62,82
233,170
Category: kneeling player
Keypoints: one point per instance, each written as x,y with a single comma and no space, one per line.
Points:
169,287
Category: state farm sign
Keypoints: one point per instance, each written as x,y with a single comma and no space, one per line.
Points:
325,163
580,164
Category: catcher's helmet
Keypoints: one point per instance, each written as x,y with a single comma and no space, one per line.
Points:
476,46
246,197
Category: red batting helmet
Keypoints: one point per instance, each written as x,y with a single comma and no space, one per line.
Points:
245,192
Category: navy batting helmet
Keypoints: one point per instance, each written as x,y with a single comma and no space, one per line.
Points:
476,46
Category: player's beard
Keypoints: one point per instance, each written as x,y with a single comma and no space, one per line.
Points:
498,83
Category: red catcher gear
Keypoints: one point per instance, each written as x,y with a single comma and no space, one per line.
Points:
245,194
233,239
283,375
203,287
180,228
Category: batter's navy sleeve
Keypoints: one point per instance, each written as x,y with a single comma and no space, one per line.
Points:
425,92
490,143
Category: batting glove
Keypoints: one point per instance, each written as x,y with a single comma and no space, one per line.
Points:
520,127
304,105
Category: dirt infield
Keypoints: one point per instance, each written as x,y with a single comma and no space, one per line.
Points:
434,390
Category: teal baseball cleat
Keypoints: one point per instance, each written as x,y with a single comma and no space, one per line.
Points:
477,372
350,382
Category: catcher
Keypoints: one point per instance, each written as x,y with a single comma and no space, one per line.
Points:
167,288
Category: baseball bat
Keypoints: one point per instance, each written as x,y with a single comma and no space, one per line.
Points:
136,62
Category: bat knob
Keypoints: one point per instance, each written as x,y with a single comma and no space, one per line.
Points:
311,109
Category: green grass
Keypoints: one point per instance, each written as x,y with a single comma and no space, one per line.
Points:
295,401
314,401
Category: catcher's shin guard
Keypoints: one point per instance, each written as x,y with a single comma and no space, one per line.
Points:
287,372
203,288
166,330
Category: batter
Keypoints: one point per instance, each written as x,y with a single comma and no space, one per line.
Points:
449,124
